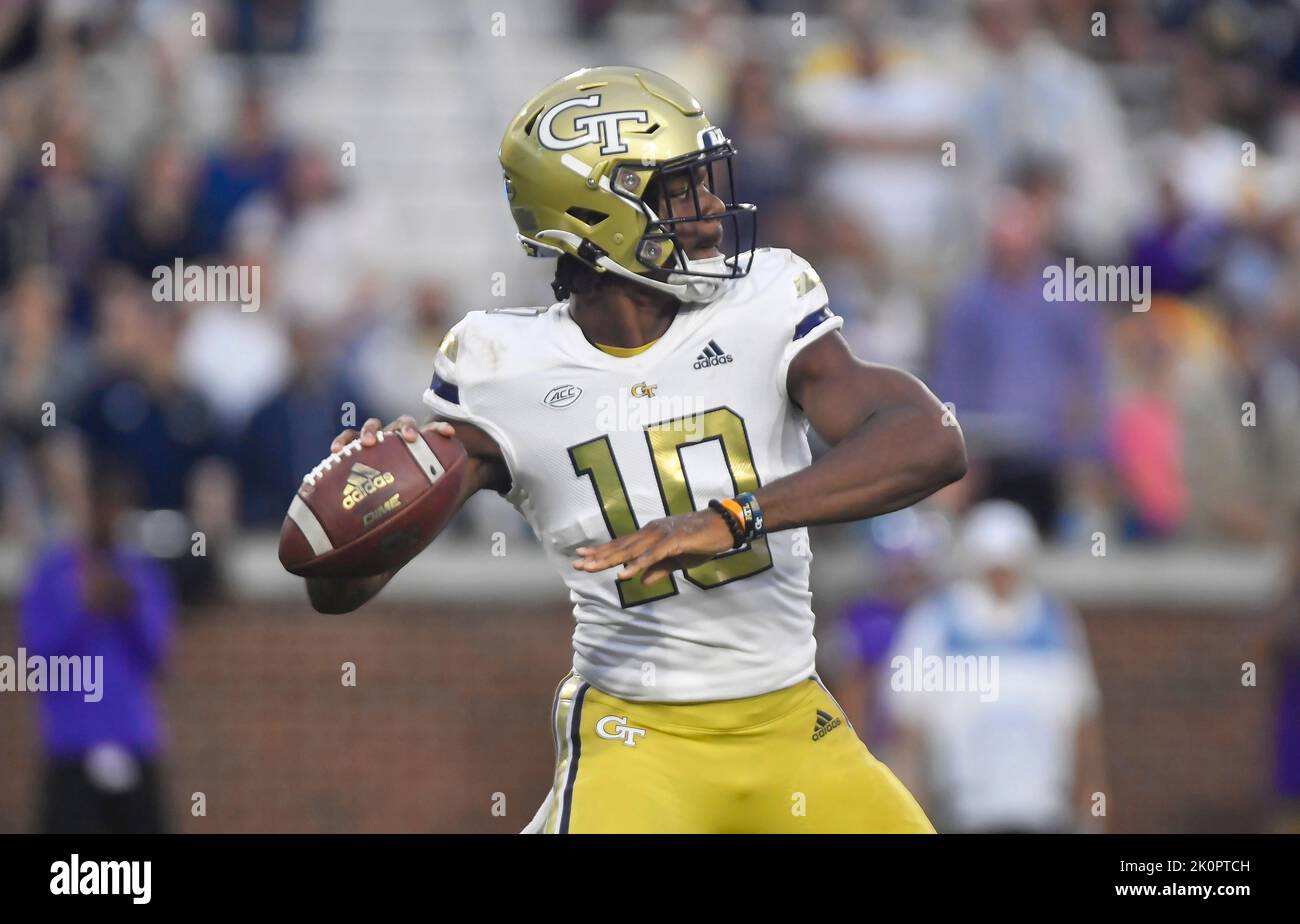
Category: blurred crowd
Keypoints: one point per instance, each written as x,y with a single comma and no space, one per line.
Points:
930,159
933,173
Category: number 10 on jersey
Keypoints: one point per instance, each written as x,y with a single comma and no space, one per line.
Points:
665,440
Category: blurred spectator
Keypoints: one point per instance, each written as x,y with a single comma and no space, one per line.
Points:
1243,436
1201,157
237,359
885,319
883,115
774,158
908,546
125,79
40,360
158,223
137,412
256,162
60,205
1027,375
94,597
1205,428
20,31
1028,95
1147,432
1181,246
276,26
590,17
293,429
1024,754
11,233
42,366
700,51
394,361
331,241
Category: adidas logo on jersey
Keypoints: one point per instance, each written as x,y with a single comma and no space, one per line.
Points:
825,724
712,356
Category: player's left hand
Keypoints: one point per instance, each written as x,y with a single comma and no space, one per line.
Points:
660,547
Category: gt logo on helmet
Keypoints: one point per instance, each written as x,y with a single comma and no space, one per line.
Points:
601,127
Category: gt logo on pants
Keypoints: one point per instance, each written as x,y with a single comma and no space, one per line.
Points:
615,727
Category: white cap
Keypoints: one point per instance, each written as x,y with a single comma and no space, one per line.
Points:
998,533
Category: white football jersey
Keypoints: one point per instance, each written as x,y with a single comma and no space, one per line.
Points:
600,445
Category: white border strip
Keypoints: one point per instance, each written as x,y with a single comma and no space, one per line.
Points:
425,458
306,521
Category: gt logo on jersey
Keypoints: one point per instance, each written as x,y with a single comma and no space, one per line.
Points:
642,390
615,727
602,127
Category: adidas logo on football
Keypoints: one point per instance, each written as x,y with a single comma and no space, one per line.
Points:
362,482
825,724
713,355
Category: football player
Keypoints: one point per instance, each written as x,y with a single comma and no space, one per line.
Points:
651,427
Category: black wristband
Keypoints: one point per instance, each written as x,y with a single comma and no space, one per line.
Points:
737,528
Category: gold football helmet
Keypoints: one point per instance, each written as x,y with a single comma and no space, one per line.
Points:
580,157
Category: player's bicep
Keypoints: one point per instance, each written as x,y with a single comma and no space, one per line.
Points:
838,392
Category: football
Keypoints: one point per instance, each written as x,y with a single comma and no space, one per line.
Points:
363,511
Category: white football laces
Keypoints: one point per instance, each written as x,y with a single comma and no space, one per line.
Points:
329,461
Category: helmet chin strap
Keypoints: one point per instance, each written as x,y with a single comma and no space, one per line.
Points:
695,290
690,289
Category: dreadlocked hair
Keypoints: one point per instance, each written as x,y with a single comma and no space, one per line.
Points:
573,275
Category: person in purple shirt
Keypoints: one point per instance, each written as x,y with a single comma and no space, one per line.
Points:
1026,375
96,598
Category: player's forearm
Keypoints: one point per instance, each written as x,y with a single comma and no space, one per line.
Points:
339,595
893,459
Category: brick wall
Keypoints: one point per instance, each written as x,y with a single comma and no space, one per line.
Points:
1189,748
452,706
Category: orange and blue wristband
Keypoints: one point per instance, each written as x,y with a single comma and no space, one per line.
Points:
743,516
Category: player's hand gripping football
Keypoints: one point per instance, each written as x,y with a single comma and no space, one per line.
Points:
660,547
405,425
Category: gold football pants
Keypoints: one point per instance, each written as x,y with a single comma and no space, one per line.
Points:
782,762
